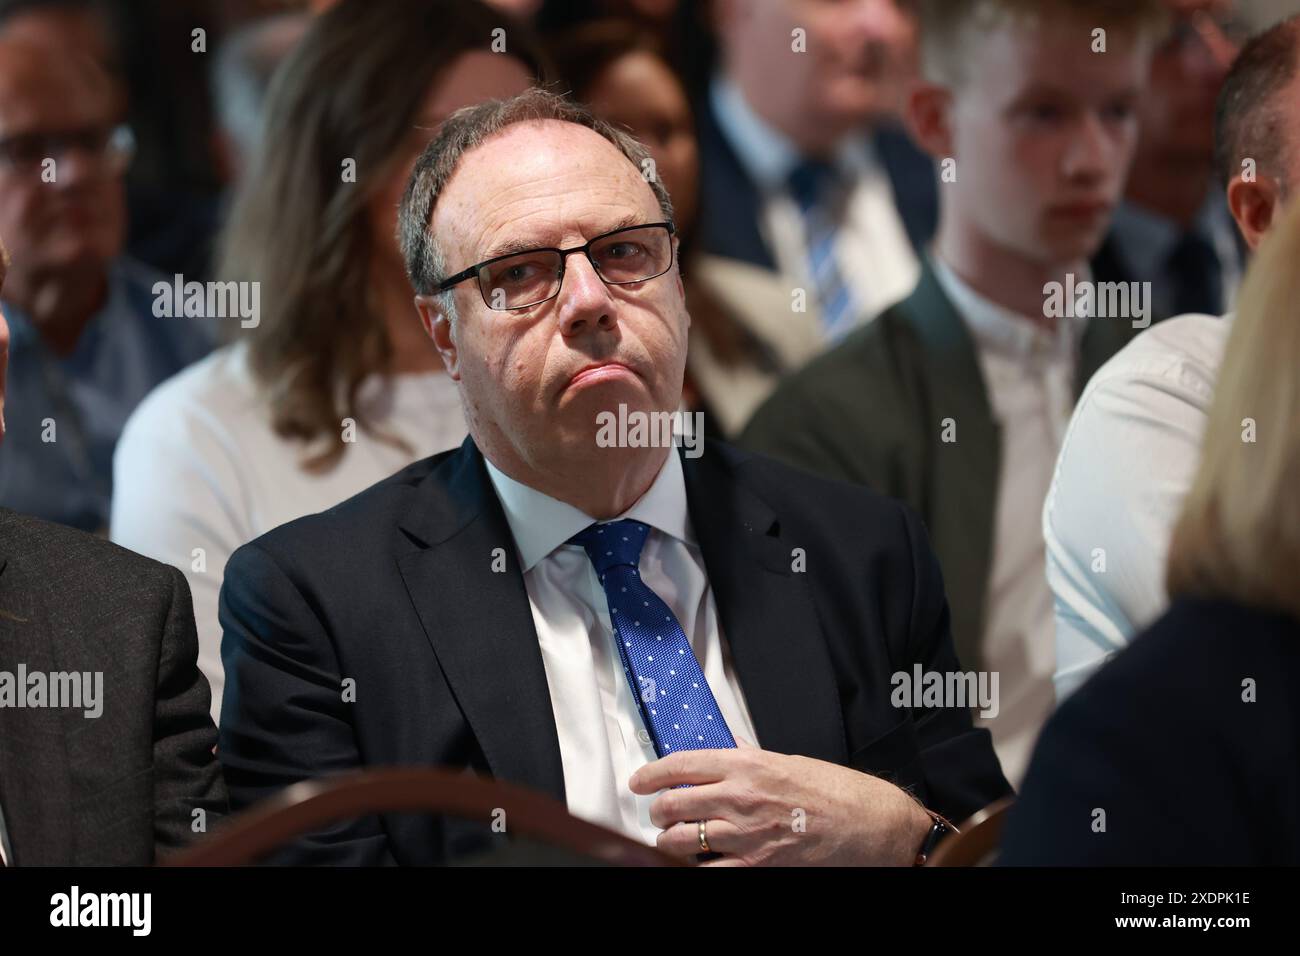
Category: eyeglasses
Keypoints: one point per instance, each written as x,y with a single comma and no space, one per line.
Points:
113,146
521,279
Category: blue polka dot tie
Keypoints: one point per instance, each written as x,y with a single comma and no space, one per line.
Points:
676,703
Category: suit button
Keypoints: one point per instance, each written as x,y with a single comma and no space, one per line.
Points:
643,735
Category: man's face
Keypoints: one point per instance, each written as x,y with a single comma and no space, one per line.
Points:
556,184
857,55
1043,131
72,212
1189,65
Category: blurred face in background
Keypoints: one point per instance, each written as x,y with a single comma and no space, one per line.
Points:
1187,69
54,107
639,93
859,55
471,78
1042,130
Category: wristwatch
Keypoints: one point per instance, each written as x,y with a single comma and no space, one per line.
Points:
937,832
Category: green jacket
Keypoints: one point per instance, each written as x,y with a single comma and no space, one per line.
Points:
872,411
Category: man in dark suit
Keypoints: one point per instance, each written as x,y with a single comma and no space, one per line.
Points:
105,739
956,399
814,204
582,608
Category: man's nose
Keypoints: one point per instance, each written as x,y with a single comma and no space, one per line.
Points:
1090,149
585,301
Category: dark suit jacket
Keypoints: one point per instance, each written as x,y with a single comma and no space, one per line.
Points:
871,411
730,201
1187,772
395,589
116,788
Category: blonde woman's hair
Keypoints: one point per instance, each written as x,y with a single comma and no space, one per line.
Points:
1238,536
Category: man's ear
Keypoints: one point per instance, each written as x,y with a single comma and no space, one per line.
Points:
1254,205
437,326
928,115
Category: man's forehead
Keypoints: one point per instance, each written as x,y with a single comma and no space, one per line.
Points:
37,82
543,180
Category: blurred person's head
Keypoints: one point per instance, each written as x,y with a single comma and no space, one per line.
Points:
856,55
1173,171
87,27
541,171
1040,127
1187,69
620,71
1257,129
1238,537
241,76
62,159
314,219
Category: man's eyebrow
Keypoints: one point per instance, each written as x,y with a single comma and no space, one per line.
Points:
509,247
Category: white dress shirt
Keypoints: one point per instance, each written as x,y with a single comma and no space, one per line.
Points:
1028,373
602,737
199,471
1129,458
872,249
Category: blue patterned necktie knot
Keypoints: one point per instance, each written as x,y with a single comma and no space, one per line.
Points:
675,701
612,544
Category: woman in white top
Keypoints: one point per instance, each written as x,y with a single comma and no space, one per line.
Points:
333,386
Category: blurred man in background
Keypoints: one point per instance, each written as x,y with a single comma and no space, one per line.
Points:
86,344
1173,229
957,399
813,204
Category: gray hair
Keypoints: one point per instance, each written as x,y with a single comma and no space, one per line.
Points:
467,128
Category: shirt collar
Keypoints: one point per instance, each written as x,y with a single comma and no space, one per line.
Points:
540,523
996,328
767,154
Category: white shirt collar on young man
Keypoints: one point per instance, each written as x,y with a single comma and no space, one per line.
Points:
997,328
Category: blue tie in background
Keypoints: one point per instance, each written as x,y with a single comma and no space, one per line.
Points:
676,704
813,184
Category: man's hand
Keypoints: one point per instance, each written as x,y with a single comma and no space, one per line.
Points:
765,808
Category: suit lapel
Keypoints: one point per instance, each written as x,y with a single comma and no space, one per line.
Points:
1102,338
35,785
963,473
479,622
767,614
